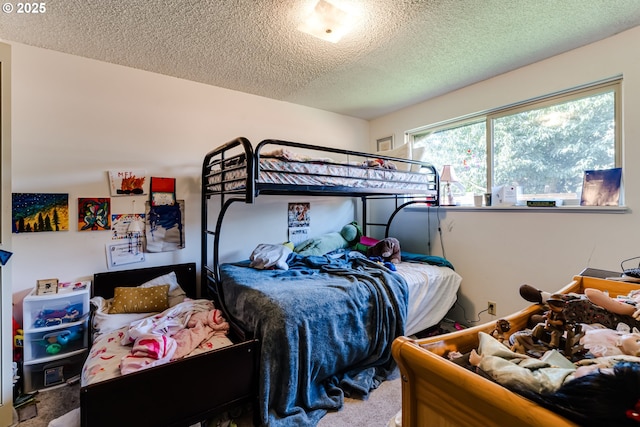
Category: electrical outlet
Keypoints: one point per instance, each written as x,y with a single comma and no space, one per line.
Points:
491,308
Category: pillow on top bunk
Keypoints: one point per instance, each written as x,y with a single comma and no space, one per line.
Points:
401,152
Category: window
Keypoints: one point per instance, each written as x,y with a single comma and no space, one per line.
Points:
542,147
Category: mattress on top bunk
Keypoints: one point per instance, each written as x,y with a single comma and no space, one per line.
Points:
315,173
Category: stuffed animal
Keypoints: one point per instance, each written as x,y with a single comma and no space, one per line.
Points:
388,249
349,235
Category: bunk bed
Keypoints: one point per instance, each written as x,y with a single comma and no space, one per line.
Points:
148,396
325,324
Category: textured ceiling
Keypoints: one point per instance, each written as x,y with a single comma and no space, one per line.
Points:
401,51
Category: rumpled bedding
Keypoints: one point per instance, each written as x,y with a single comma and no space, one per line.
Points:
186,329
326,326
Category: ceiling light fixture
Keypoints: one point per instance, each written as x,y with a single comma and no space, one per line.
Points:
327,22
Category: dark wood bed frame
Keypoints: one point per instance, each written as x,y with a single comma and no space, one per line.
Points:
179,393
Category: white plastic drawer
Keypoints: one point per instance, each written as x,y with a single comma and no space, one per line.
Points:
45,311
38,345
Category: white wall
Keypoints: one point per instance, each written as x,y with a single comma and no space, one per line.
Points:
74,119
496,252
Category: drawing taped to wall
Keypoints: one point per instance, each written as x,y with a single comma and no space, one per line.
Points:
36,212
94,214
127,182
164,231
121,224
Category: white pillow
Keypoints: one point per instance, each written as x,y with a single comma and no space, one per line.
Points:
401,152
103,322
266,255
176,293
417,154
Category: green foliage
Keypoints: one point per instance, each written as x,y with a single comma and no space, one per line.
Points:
545,150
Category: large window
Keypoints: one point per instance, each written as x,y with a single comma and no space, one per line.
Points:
541,147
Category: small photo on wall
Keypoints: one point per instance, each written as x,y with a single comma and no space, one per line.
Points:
37,212
94,214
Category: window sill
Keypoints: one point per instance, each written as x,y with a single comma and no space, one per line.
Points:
557,209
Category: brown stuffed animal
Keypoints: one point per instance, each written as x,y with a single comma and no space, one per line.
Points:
388,249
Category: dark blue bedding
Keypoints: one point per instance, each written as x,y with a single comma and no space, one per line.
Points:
326,326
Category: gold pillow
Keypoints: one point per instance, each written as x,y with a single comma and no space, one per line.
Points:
140,300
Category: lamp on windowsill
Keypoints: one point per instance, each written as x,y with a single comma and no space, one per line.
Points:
448,176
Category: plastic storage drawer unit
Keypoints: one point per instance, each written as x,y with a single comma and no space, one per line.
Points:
45,311
53,372
46,343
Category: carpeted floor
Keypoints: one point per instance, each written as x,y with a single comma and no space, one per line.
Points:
382,404
53,403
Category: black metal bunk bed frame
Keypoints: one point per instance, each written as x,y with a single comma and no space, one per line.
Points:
231,171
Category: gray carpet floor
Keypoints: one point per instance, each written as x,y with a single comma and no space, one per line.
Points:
381,405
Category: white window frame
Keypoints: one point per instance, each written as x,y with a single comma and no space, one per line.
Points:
613,84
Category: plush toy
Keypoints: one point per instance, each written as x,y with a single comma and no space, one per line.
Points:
387,248
348,236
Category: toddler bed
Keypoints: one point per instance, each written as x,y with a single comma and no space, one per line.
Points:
153,389
438,392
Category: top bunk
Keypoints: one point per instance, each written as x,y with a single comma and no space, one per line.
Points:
237,169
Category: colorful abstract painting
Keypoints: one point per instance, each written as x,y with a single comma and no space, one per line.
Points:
94,214
36,212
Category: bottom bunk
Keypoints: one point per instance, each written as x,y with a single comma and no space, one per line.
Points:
437,391
326,323
172,379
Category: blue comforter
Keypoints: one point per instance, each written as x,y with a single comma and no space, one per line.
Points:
326,326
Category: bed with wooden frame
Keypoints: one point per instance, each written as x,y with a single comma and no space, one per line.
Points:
295,313
439,393
179,393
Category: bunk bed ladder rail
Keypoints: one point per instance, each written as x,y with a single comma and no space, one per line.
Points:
218,157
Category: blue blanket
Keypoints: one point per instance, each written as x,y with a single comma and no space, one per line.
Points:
326,326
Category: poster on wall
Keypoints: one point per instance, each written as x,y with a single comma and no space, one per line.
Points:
299,219
37,212
127,182
94,214
164,230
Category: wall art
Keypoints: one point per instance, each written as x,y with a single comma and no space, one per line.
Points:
94,214
37,212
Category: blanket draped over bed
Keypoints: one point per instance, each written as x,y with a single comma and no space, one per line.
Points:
326,326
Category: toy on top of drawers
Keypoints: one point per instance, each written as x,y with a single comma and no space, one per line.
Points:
55,309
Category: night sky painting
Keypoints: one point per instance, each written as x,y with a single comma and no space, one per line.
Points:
33,212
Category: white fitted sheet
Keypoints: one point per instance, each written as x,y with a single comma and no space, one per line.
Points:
432,292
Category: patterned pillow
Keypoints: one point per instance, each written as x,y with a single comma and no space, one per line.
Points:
140,300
